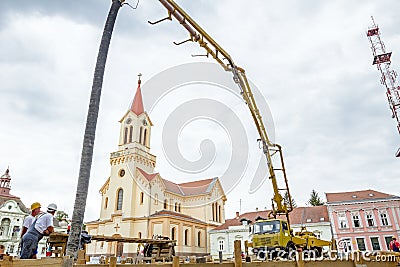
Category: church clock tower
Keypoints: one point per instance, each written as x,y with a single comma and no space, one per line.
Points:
134,136
121,188
137,202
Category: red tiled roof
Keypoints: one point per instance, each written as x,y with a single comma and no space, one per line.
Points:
148,176
170,213
312,214
227,224
300,215
186,189
196,187
356,196
137,104
172,187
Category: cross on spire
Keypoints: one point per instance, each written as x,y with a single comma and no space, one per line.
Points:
137,104
139,75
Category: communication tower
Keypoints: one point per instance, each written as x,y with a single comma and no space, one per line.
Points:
388,76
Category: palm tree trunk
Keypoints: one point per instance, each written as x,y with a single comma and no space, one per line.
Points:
90,131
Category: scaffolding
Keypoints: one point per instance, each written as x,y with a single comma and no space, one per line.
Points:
382,60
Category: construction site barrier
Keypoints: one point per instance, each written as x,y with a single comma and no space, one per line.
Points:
112,262
9,261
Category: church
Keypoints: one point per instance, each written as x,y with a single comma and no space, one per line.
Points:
12,215
139,202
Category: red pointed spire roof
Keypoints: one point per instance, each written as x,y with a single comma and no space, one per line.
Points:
137,104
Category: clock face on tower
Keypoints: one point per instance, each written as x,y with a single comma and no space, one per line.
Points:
128,121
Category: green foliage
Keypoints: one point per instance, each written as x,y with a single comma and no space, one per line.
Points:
315,200
61,215
286,200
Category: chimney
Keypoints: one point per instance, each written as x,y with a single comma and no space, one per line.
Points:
237,214
256,209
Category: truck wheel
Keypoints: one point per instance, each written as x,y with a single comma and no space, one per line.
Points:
291,251
311,253
262,255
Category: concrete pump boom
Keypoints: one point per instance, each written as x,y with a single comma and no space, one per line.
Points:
197,34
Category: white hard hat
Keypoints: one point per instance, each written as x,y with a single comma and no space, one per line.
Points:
52,207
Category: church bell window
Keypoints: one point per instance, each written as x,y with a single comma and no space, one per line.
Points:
130,134
145,137
125,135
140,134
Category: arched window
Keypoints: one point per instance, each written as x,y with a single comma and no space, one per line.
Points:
219,214
156,199
141,198
165,204
173,233
176,206
125,135
179,207
145,137
120,196
5,226
213,211
221,244
186,237
130,133
140,134
140,234
106,203
199,239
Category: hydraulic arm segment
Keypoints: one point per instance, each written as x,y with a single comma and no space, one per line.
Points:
273,152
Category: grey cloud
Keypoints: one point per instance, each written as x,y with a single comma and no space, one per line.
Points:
90,11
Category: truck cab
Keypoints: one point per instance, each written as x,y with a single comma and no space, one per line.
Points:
268,235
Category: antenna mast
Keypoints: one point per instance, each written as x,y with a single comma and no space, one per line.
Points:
388,76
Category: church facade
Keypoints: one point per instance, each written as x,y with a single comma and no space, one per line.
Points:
139,202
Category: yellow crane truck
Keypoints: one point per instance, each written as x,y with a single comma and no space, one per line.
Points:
275,235
274,232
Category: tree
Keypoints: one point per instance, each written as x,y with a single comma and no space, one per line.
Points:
90,132
287,201
61,215
315,200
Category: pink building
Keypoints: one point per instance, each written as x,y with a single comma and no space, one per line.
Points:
363,220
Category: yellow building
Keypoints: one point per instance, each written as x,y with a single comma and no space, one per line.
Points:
137,202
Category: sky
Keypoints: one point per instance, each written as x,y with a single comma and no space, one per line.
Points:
310,61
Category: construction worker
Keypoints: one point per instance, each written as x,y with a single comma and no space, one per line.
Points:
35,210
394,245
43,225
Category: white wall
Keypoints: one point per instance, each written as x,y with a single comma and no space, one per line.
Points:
228,236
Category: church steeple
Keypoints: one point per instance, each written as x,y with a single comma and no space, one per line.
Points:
137,104
5,180
134,136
